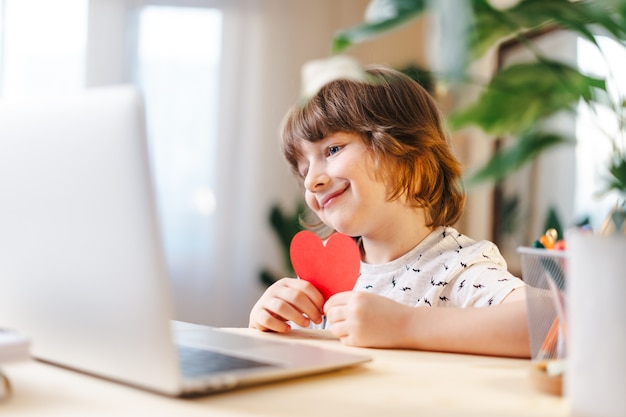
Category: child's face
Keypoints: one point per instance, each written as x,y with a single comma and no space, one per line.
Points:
341,185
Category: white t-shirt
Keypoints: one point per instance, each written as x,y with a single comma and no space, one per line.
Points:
445,269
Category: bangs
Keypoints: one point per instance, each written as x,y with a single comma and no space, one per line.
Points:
330,111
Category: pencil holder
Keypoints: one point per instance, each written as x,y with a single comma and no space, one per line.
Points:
544,271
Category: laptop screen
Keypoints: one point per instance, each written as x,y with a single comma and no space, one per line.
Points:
82,271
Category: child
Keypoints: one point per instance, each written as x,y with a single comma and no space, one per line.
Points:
376,165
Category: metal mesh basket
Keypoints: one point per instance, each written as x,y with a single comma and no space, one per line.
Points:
544,271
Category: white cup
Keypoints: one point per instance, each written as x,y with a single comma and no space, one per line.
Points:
595,379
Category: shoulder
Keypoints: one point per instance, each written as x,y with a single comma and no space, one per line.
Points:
475,251
446,240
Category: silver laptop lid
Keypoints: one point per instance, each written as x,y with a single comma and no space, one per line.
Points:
78,226
82,271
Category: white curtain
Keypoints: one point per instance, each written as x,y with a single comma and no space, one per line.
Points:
265,44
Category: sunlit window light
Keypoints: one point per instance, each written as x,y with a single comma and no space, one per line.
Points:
596,131
179,54
44,46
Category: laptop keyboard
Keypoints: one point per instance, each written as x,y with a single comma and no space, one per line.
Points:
198,362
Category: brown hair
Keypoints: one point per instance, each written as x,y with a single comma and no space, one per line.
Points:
400,123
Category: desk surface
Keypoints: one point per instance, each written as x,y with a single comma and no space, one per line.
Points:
396,383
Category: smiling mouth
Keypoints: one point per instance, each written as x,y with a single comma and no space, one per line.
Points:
328,200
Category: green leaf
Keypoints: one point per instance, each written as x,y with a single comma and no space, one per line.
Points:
491,26
523,94
608,15
424,77
383,16
285,226
617,171
508,160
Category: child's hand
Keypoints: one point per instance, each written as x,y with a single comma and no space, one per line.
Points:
287,299
368,320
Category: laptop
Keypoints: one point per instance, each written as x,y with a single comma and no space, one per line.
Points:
82,272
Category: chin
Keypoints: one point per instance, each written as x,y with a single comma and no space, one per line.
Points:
347,230
346,225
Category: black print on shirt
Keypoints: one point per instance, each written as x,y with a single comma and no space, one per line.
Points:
369,287
405,289
492,268
478,286
461,285
444,298
427,302
490,301
463,265
438,283
503,279
393,282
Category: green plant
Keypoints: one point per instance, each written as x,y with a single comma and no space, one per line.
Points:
517,100
285,226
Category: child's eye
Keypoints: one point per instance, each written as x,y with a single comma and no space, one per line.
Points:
333,150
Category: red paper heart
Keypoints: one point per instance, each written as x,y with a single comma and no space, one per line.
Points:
332,268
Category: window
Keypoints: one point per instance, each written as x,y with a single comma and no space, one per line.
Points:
42,45
596,131
43,49
175,59
178,69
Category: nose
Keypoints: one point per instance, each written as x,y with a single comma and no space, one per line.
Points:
316,179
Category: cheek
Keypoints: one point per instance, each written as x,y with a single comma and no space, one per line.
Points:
311,201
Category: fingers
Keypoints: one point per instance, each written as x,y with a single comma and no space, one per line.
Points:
338,307
368,320
287,300
265,321
353,317
336,310
337,300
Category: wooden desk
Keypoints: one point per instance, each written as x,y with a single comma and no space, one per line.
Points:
396,383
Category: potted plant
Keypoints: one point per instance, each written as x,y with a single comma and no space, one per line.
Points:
522,95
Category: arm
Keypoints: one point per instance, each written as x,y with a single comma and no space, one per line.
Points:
286,300
370,320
